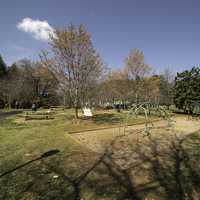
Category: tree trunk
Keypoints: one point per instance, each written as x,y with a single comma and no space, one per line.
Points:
76,104
76,112
136,96
64,101
9,103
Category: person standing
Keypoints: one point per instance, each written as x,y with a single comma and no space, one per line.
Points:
34,107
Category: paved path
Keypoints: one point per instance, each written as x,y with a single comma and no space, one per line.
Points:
4,115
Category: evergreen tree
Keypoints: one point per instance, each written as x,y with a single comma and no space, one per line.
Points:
187,88
3,67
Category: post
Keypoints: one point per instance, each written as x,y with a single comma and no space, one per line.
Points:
64,101
76,103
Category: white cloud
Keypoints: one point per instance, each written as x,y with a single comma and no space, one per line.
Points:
40,30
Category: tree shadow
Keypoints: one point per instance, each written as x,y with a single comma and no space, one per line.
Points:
147,169
118,179
169,172
176,169
43,156
5,115
108,118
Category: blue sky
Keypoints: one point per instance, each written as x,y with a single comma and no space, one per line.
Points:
167,31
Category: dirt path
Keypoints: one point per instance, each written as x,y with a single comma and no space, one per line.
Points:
97,140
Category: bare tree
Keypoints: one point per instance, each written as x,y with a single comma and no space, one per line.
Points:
136,69
135,65
115,87
150,89
74,62
167,83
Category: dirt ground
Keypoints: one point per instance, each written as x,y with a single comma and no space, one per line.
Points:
98,140
150,164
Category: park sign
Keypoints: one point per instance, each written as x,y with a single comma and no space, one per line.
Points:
87,112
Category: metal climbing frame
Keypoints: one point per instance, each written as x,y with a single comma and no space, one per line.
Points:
147,108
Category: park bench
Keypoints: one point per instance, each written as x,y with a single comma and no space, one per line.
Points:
39,115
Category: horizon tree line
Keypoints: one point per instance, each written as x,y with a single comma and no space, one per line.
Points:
71,73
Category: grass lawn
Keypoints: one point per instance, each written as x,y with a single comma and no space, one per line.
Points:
100,120
22,141
74,171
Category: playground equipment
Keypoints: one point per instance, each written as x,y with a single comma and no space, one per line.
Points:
148,108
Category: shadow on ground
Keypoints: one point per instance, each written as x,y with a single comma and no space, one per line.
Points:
4,115
109,118
148,170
